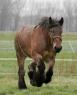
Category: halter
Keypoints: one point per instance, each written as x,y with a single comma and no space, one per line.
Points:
54,37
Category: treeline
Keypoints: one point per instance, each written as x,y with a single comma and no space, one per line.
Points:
16,13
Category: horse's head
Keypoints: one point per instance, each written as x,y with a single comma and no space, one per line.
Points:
36,73
55,28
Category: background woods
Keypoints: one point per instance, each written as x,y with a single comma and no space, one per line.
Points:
16,13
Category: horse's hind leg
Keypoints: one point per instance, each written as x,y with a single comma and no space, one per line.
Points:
21,72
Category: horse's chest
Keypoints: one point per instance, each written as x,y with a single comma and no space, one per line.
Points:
47,55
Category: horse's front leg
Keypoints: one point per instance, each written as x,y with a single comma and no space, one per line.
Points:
49,72
21,72
37,70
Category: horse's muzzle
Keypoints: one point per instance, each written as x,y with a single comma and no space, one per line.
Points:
57,50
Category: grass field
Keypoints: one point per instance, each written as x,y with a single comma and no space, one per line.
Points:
64,81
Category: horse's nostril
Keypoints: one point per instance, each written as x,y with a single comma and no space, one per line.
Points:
57,49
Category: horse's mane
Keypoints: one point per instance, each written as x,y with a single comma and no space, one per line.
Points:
44,22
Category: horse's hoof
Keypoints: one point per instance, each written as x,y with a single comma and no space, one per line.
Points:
47,80
22,85
39,84
48,76
33,83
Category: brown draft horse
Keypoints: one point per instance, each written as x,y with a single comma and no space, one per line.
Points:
40,43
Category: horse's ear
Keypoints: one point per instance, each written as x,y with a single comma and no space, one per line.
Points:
61,21
50,20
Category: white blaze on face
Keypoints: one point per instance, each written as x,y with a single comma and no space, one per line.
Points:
57,42
54,45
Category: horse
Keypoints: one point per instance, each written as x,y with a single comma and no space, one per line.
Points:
41,43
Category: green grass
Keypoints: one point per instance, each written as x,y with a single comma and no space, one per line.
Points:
54,89
64,81
63,55
69,37
7,35
7,54
67,55
60,85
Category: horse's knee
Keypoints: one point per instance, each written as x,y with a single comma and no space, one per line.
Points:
21,73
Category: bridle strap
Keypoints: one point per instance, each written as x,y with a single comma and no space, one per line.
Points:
57,37
54,37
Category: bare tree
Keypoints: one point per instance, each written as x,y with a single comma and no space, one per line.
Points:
11,11
71,16
5,14
18,5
